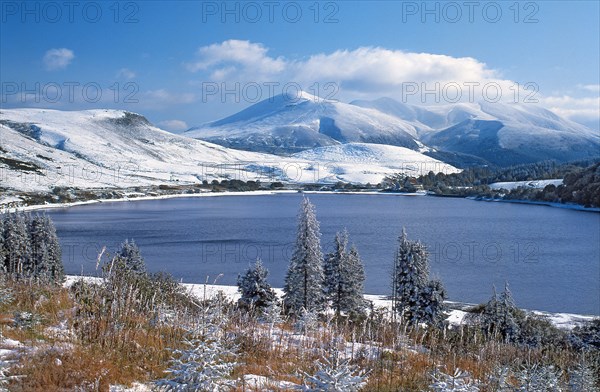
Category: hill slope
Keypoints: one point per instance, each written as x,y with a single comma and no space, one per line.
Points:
41,149
287,124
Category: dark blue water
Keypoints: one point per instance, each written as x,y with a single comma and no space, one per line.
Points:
549,256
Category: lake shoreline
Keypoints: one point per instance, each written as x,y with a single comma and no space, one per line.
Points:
456,310
35,207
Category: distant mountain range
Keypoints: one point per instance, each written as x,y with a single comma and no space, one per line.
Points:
460,134
316,141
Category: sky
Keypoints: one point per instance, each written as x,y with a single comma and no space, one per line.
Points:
183,63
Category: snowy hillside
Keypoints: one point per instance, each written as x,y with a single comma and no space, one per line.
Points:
98,148
40,149
537,184
500,133
288,123
426,119
368,162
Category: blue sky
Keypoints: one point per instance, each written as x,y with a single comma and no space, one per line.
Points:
172,61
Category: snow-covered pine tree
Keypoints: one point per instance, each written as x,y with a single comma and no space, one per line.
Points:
131,258
344,277
206,362
409,276
538,378
582,378
17,245
333,265
355,283
501,315
40,256
272,315
304,280
460,381
498,381
3,251
335,374
431,308
46,254
56,267
307,321
254,288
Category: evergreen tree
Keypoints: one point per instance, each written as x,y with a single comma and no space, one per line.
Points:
39,249
538,378
304,280
307,321
355,283
431,308
3,251
208,359
335,374
56,267
255,290
344,277
272,315
17,244
130,258
460,381
501,316
45,250
582,378
410,276
414,297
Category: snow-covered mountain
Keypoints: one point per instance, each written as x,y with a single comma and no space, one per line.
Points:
426,119
290,123
517,134
500,133
460,134
40,149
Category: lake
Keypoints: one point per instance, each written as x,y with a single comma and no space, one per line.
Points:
549,256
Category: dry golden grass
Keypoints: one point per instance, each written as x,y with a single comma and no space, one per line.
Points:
124,344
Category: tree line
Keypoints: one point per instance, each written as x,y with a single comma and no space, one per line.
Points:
29,248
581,182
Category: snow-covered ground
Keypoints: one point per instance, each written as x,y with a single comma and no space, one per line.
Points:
367,162
455,317
536,184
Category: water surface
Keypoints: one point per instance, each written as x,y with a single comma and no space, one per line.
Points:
549,256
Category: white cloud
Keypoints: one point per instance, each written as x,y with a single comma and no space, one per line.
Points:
365,72
174,125
578,109
373,72
594,88
56,59
247,56
125,73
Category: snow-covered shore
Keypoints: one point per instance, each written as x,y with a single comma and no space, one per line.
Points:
4,203
142,198
456,314
575,207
